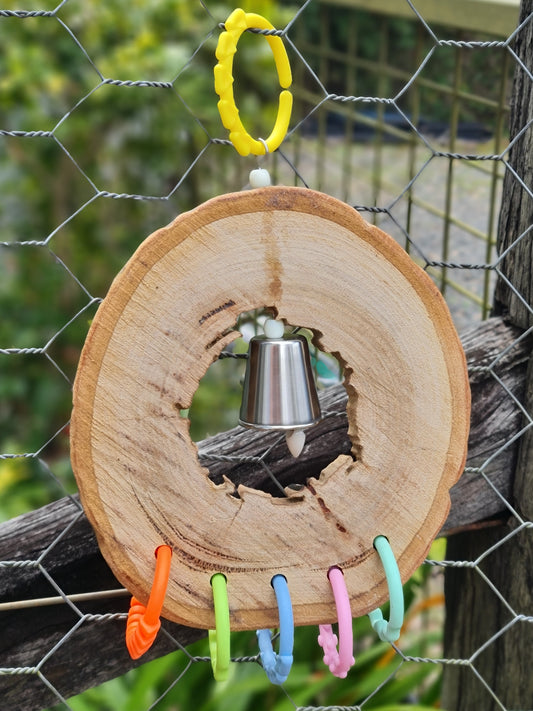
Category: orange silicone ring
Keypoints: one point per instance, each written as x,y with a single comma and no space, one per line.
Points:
143,622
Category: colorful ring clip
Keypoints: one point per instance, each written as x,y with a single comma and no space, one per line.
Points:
278,666
143,622
339,662
235,25
219,638
389,631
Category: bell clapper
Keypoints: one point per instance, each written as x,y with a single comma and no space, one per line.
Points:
295,442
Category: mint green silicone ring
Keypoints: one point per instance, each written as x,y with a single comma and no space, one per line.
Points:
389,631
219,638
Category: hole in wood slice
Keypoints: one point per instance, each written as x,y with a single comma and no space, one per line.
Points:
215,409
320,265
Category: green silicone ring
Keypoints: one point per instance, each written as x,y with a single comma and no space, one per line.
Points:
389,631
219,638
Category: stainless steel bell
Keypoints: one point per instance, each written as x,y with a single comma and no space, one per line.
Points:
279,390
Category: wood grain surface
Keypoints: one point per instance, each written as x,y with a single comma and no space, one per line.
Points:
75,563
316,263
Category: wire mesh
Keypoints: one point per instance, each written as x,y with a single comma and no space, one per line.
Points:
410,130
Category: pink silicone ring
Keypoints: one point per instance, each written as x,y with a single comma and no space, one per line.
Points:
339,662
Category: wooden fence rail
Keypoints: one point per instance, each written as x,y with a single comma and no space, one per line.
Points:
56,542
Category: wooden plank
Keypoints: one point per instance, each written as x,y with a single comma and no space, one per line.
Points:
75,564
494,17
494,419
74,561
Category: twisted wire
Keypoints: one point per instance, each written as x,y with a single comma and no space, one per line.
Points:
22,14
138,83
26,134
378,212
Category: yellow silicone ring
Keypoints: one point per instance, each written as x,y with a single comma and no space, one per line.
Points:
235,25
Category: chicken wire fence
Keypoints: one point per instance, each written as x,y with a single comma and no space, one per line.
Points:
108,130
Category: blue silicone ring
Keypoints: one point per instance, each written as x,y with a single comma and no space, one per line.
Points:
389,631
278,666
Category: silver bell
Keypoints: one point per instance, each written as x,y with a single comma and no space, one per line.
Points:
279,391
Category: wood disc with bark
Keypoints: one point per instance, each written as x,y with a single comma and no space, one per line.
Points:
315,263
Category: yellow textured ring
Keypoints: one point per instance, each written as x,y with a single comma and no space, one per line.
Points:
235,25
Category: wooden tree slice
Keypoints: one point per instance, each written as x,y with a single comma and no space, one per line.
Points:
317,264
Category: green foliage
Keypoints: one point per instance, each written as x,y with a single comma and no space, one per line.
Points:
379,677
110,138
107,138
27,484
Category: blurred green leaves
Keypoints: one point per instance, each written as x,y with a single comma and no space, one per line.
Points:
66,229
118,162
381,679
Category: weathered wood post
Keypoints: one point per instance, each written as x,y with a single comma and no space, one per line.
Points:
485,618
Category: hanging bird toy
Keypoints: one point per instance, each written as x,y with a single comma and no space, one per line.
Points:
193,552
